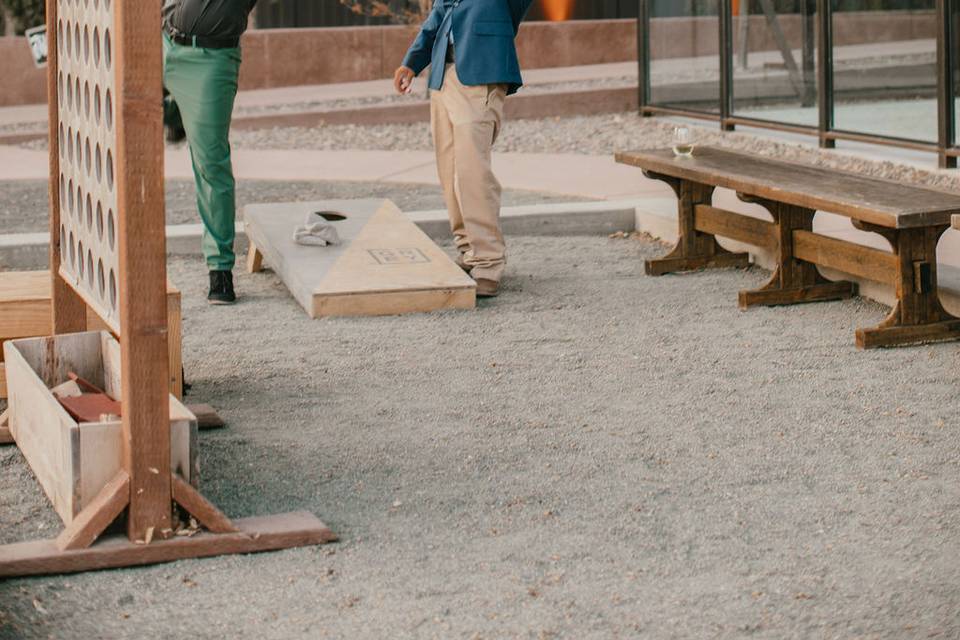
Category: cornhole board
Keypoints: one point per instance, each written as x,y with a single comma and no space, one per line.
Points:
385,265
26,312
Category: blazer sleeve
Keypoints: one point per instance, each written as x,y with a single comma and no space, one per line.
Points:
420,52
518,10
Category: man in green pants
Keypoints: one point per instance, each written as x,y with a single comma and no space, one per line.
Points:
201,53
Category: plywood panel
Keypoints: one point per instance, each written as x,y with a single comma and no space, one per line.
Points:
44,432
385,265
89,111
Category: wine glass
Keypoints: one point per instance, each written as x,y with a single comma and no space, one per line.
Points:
683,142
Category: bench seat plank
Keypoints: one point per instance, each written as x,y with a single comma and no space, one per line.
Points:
881,202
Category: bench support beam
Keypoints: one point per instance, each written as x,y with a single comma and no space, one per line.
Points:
794,280
695,250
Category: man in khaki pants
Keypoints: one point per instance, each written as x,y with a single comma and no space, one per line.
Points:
469,45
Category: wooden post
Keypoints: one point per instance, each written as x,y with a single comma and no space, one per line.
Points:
142,267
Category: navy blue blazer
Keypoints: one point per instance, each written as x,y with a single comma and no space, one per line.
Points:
483,34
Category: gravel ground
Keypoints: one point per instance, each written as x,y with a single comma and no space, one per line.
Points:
23,204
594,454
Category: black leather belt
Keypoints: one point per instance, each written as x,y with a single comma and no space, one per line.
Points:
204,42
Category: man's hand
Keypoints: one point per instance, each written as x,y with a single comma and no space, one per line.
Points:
403,79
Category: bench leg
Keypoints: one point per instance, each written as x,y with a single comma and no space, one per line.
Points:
695,250
794,281
918,317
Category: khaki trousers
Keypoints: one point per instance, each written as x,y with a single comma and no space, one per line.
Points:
466,121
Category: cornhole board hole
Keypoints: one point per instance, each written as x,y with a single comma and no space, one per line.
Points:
384,265
72,461
25,312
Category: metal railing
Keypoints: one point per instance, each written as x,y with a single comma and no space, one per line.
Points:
813,78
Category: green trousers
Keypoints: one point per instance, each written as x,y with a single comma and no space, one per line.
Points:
202,84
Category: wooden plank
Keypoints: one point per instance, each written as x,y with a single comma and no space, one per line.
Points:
385,264
207,416
25,311
53,359
254,535
812,293
908,334
5,436
25,304
737,226
44,432
388,303
882,202
142,266
254,259
98,515
175,345
865,262
199,507
956,221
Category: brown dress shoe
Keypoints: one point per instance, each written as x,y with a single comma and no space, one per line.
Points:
487,288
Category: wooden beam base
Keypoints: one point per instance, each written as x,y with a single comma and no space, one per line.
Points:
816,293
254,535
207,417
664,266
901,335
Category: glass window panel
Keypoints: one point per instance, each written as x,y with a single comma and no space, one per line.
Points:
955,61
774,61
685,54
885,67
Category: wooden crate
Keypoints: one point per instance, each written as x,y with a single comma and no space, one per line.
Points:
385,265
72,461
25,312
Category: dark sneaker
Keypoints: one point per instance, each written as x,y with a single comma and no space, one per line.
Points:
221,288
175,133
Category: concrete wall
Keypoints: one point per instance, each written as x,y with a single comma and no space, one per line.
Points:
691,37
20,82
286,57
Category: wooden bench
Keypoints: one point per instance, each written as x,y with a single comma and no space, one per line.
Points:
910,218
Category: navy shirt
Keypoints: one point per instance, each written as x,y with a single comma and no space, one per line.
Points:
208,18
